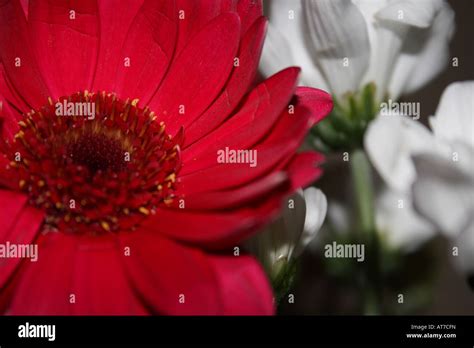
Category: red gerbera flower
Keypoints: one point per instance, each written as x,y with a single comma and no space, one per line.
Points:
131,210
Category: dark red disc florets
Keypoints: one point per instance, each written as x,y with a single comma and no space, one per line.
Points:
95,172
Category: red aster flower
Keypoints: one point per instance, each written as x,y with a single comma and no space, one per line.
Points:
130,209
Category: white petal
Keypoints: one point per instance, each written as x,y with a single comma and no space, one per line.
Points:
276,54
261,244
459,155
399,223
455,114
285,44
417,13
390,141
390,25
443,193
316,208
294,219
369,8
341,47
424,54
278,240
385,42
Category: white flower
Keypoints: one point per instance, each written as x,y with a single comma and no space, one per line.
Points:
444,187
397,223
286,238
390,141
436,168
342,45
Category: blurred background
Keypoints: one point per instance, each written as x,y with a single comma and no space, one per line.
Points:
430,282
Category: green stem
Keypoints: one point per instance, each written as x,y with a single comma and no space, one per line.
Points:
362,180
364,199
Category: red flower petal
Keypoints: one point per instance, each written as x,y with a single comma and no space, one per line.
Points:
175,279
149,46
243,286
214,229
317,101
8,179
162,271
26,226
199,13
20,224
205,66
24,6
195,15
274,152
249,11
10,94
12,204
100,283
228,228
66,48
43,287
9,118
305,169
115,20
225,176
18,61
91,270
237,86
237,197
250,124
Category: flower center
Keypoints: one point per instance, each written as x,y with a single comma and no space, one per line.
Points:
95,163
97,153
